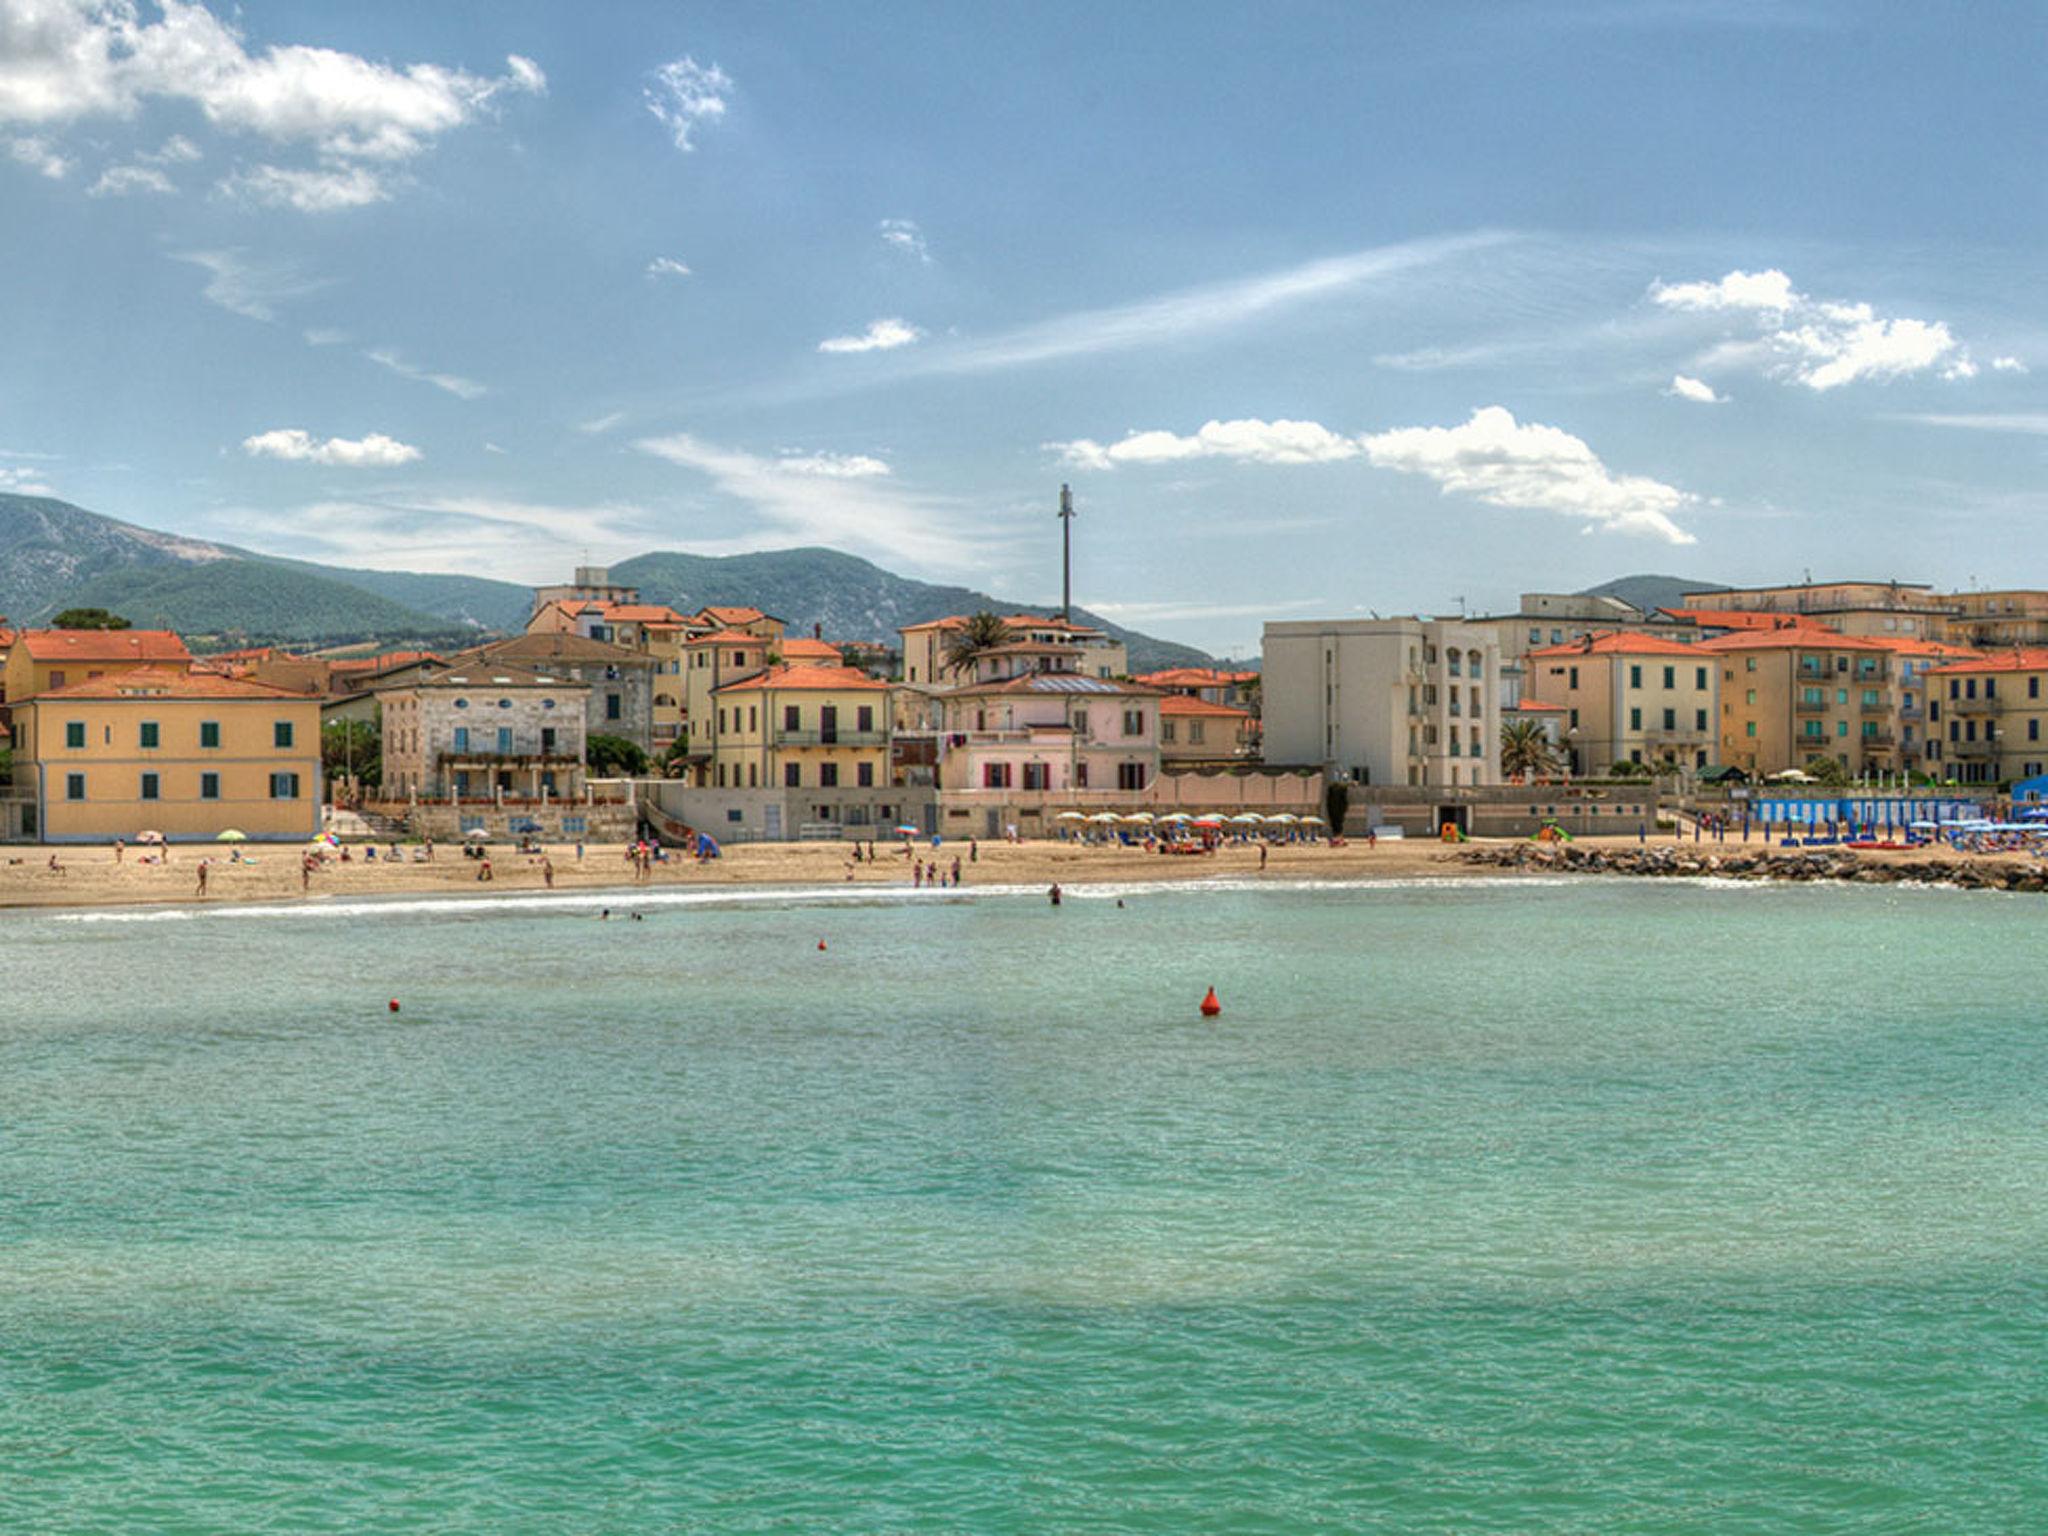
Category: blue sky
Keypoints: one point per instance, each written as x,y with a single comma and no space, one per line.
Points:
1322,309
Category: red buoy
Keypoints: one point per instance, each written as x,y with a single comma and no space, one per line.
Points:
821,943
394,1005
1210,1006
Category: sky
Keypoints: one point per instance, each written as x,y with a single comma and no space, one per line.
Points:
1322,310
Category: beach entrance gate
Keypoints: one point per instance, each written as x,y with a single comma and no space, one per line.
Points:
1459,816
771,822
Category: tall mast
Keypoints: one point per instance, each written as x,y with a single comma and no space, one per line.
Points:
1066,554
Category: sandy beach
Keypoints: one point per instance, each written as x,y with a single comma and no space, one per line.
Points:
92,876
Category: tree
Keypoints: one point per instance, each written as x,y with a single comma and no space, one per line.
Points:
1629,770
88,618
352,748
1829,771
1336,802
614,757
984,631
1525,750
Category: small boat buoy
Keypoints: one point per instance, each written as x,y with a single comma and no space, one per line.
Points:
821,943
1210,1006
394,1005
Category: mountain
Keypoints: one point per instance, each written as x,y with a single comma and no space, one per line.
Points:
849,598
1651,592
54,556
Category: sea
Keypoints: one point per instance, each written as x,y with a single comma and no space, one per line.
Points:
1483,1206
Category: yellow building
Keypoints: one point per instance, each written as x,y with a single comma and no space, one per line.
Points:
1791,697
41,659
187,754
711,662
1987,719
801,727
1628,697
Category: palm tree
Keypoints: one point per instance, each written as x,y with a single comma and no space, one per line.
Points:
1525,750
984,631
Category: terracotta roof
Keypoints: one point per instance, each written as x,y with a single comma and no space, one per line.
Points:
812,650
1182,704
951,621
1535,707
641,613
806,676
166,682
382,663
727,637
731,616
1728,618
1906,646
1048,683
553,645
1194,677
2003,661
1798,637
1611,642
104,645
480,674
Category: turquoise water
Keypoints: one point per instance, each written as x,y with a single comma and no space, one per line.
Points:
1484,1208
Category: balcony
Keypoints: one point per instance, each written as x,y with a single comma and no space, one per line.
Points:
1970,749
832,738
474,759
1875,707
1809,706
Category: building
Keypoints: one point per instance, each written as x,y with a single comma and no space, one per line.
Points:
1999,620
1794,696
1628,698
710,662
164,749
1384,701
1986,716
1085,649
620,682
484,731
1557,618
1238,689
42,659
1913,703
1192,730
593,584
801,726
1876,609
1049,731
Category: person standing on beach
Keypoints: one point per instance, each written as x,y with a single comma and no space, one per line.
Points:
973,851
202,878
120,848
306,872
956,869
547,871
1054,893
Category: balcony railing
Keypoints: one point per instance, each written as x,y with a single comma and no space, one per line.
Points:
831,738
1875,706
469,758
1809,706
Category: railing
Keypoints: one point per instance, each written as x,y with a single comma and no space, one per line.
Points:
831,738
1875,707
507,759
1809,706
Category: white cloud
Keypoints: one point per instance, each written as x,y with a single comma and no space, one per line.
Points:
2008,365
1769,290
600,425
2027,423
492,448
905,236
1820,343
1246,442
63,61
1699,391
325,336
176,150
327,189
127,180
39,155
867,512
666,266
24,482
295,445
454,384
686,95
1505,463
833,466
245,287
1201,311
880,336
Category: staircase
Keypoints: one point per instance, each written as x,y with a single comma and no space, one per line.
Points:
367,826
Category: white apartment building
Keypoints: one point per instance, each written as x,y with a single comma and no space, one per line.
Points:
1385,701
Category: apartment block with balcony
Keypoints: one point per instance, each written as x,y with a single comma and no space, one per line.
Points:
1050,732
1989,717
482,732
1406,701
1794,696
801,726
1629,698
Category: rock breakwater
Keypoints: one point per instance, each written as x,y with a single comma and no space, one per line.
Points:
1803,864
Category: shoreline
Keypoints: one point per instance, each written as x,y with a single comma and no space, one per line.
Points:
91,878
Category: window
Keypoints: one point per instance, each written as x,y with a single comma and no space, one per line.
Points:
281,736
504,741
1572,680
152,787
209,733
1699,677
1841,727
864,718
792,775
1194,733
1671,677
1166,731
285,786
1635,719
1574,721
995,775
547,740
2033,730
1134,722
1635,677
753,776
462,703
462,738
828,775
1699,719
209,786
613,709
1749,728
57,681
74,786
549,704
753,717
152,734
792,717
74,734
864,775
1130,775
1749,663
1670,719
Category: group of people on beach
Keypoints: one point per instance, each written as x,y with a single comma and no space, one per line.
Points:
923,874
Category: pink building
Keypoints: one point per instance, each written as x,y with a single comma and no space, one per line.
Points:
1052,732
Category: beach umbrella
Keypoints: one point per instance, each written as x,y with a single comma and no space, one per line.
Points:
232,835
1312,821
1176,816
1246,819
1103,818
476,835
149,837
1070,816
1284,819
1207,821
1139,818
906,830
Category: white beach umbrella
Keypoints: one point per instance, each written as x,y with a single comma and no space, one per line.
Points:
1070,816
1139,818
1246,819
1312,821
1103,818
1284,819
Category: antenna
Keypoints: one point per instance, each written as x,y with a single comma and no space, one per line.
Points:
1461,606
1066,555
